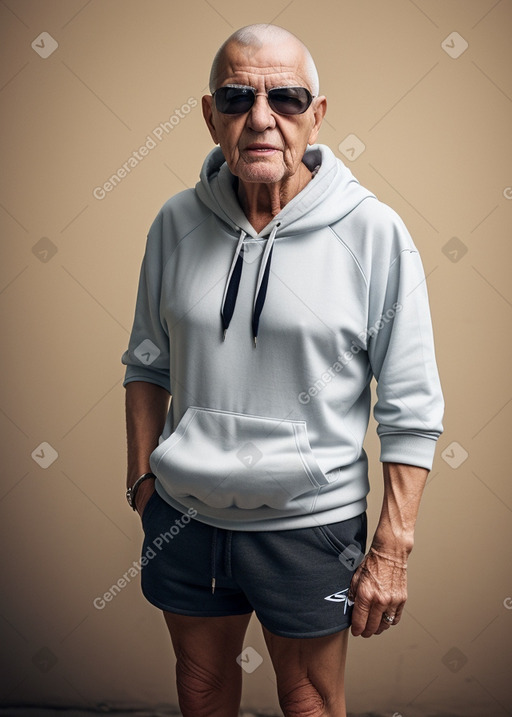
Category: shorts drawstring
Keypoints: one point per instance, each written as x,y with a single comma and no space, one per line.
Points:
214,557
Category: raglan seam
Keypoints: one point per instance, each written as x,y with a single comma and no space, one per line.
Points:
164,267
353,256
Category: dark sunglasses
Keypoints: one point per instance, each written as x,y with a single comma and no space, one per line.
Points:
238,99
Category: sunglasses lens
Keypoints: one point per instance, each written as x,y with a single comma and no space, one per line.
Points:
234,100
289,100
283,100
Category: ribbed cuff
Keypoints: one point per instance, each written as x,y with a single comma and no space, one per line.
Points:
139,373
408,448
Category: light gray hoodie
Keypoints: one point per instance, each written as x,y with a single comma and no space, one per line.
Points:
269,435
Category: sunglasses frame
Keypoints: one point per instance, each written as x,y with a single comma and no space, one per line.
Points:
256,94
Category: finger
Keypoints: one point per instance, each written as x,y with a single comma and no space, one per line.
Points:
382,628
359,616
375,624
398,613
391,612
352,590
386,624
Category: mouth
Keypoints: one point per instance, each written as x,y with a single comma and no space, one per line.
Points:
261,148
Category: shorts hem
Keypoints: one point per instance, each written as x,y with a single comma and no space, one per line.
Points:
195,613
306,635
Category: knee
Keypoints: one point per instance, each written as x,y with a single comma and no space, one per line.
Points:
303,700
199,690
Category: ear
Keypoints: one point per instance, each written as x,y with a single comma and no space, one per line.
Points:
319,110
207,105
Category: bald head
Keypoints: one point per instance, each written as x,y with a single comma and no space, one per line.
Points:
254,37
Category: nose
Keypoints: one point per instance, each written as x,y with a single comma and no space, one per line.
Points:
260,115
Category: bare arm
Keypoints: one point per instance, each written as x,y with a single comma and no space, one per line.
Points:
379,584
146,409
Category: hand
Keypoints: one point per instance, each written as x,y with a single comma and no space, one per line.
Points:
378,588
144,493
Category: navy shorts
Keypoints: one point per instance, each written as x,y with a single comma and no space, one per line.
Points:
296,581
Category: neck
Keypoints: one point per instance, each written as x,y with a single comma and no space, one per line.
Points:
261,202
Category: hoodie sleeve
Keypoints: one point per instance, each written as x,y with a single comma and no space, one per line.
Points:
147,356
409,407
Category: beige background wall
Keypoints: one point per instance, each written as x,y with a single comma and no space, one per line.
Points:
436,130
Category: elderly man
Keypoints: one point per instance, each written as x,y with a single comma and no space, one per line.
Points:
269,296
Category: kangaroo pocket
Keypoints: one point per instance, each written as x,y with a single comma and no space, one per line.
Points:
229,459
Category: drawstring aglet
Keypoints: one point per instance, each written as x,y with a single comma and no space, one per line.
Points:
213,585
224,335
254,337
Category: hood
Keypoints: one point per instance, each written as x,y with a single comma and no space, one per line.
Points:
331,194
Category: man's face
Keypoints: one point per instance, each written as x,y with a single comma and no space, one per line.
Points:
262,145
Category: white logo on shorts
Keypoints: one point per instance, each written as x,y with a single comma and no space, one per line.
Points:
341,596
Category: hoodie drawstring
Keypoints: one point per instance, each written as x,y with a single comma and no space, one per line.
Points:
233,283
214,558
261,286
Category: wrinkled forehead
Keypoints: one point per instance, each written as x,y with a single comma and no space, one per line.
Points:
263,65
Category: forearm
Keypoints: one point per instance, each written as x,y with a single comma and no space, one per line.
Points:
403,488
146,410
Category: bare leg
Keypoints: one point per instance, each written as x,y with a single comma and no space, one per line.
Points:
208,677
310,674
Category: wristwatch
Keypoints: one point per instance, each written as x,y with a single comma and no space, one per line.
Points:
132,491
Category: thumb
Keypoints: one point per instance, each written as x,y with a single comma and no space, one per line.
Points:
354,583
